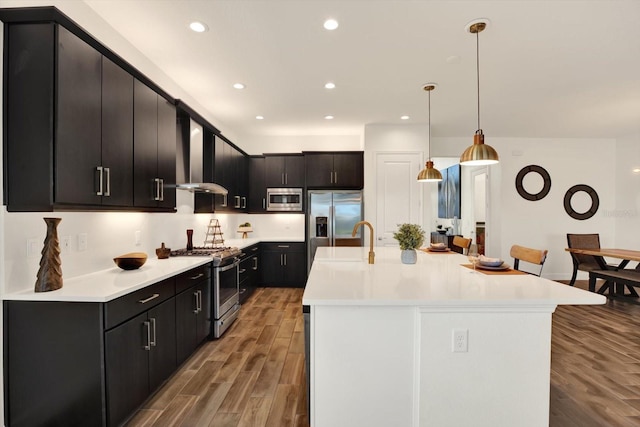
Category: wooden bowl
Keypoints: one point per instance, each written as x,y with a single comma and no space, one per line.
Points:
131,261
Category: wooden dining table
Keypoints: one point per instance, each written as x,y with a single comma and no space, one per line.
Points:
624,255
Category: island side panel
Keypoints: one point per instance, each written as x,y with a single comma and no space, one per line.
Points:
502,380
363,366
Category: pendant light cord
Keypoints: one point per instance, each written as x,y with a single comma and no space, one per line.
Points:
429,114
478,72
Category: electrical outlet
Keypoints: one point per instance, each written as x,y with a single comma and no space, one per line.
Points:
460,341
82,241
65,243
33,248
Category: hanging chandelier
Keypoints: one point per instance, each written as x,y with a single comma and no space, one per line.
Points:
429,173
479,153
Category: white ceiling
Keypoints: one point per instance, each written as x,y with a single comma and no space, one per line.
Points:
562,68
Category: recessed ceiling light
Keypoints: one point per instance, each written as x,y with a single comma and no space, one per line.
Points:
404,117
330,24
259,117
238,86
636,170
328,117
198,27
330,85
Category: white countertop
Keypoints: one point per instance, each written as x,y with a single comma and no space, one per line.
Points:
109,284
342,276
105,285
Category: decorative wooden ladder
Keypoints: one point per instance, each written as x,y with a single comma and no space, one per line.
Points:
214,238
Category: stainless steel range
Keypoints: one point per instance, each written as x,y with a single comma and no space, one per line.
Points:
226,279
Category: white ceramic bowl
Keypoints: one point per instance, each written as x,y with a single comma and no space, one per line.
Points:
490,262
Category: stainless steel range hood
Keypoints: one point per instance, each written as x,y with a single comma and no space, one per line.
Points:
192,133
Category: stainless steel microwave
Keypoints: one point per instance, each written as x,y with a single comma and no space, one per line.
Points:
284,199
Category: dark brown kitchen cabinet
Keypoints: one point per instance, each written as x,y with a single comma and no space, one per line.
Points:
193,310
343,170
116,168
283,264
94,363
284,171
154,142
230,171
257,187
249,273
69,115
139,355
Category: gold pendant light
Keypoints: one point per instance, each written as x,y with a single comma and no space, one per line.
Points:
479,153
429,173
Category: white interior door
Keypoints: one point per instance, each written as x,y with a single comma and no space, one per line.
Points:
398,195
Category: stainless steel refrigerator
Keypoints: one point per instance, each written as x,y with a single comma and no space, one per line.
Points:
331,216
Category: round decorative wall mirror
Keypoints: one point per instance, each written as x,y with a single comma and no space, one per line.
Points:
546,182
595,202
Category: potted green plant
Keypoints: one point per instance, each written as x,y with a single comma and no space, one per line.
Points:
410,237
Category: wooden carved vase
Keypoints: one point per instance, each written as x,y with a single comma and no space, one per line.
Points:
49,276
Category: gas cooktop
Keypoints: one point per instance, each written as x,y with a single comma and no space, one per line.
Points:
224,252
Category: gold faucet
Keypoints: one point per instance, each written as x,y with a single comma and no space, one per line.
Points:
372,255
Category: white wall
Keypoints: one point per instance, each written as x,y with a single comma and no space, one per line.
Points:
626,212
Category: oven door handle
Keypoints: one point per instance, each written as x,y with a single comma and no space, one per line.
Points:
230,266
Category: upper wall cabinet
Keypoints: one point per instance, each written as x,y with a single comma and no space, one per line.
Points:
284,171
154,141
69,135
335,170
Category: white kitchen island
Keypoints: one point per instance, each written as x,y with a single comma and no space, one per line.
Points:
382,340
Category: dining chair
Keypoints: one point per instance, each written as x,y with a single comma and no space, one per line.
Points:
462,242
583,262
532,256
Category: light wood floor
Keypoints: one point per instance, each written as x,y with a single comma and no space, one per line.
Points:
254,375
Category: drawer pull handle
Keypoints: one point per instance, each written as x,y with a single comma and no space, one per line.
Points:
196,277
254,249
146,300
244,270
283,246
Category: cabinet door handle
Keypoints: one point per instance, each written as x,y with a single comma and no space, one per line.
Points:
244,202
147,325
195,295
196,277
157,182
146,300
100,180
335,177
264,203
152,343
224,200
237,201
285,259
286,178
161,189
282,178
199,300
108,173
255,263
281,262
